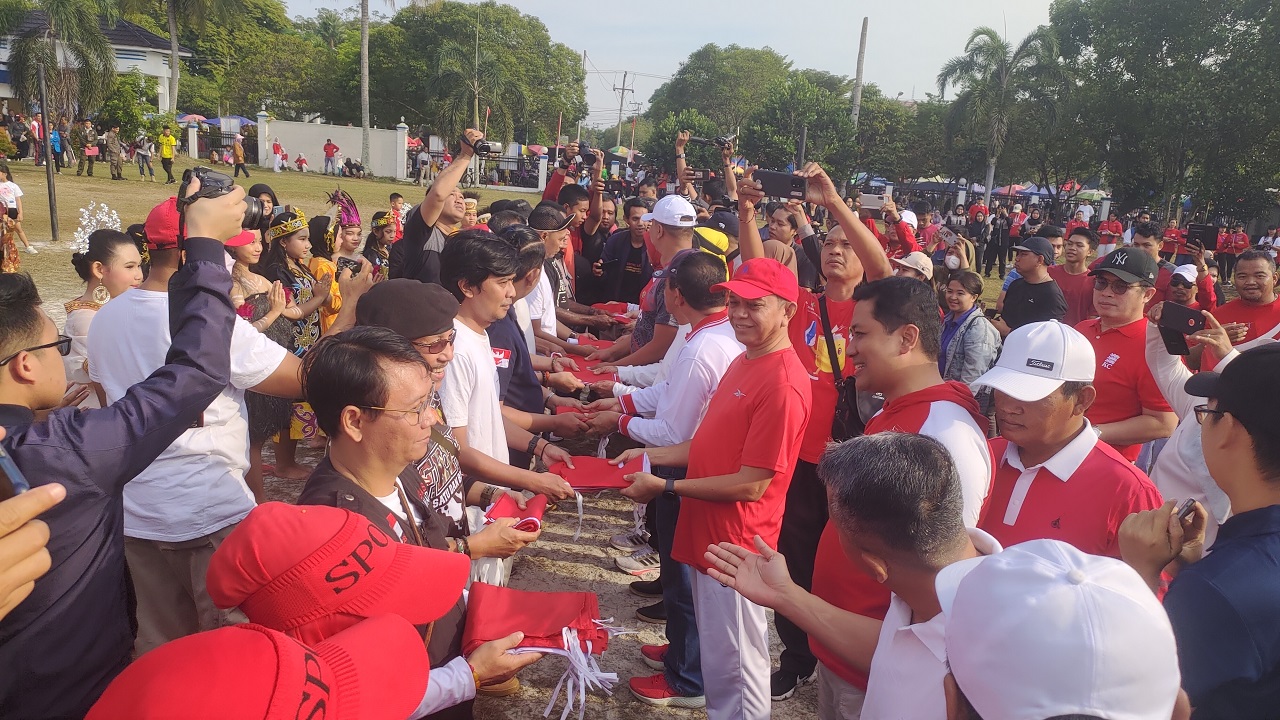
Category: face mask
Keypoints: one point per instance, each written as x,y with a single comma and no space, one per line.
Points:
953,262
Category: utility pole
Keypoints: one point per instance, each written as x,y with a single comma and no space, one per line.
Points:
631,149
622,98
857,82
49,162
584,74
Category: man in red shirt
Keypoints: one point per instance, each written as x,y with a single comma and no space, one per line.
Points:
896,336
1054,479
330,157
1109,233
1077,221
739,467
1146,237
897,239
1174,241
849,252
1182,288
1255,314
1072,275
1130,409
978,207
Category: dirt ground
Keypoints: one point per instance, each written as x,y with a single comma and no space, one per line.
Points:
557,563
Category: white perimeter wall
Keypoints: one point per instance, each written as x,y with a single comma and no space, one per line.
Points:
387,148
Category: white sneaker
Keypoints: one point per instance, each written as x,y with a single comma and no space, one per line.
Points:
629,542
645,560
32,249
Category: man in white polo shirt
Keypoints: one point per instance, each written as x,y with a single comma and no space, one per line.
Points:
1054,478
1043,630
898,506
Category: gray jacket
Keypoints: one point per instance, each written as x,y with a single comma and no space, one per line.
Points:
973,351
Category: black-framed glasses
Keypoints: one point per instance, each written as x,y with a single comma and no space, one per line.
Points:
1178,281
1119,287
1202,411
414,416
63,343
439,345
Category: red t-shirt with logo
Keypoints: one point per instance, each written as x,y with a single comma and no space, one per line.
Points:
1072,225
1261,319
1084,509
1125,386
811,347
756,418
1078,292
1173,239
1111,228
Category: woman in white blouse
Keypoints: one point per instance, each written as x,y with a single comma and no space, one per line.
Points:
110,264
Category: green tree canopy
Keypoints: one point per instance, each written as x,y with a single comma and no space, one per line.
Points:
722,84
772,133
660,147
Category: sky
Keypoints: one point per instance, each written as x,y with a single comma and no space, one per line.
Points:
907,42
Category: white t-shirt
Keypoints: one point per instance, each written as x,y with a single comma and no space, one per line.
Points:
9,194
469,393
542,305
1087,210
910,661
393,504
525,322
196,486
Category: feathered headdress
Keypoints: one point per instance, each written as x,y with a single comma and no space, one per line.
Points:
348,215
94,216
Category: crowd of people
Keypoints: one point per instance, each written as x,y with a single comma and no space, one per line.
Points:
1038,509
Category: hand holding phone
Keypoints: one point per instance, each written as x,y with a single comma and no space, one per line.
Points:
780,184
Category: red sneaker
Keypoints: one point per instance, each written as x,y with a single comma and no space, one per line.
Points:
654,690
655,656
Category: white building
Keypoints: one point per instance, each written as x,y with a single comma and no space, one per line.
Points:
134,46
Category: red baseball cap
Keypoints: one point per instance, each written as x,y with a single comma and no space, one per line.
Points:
162,226
375,669
760,277
241,240
286,566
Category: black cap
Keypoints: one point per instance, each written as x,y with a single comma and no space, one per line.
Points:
1239,391
724,221
408,307
670,269
549,218
1039,246
1130,265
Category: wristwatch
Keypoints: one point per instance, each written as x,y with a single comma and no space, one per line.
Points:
679,156
671,486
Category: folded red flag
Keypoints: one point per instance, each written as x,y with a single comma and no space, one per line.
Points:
569,410
613,308
588,377
495,612
530,518
593,473
621,318
595,343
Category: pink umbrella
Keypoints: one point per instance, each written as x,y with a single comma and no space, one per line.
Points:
1009,189
537,149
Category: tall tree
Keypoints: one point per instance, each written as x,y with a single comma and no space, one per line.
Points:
66,38
723,84
794,107
464,79
994,77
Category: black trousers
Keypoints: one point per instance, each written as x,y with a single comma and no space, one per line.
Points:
996,250
803,521
167,164
240,167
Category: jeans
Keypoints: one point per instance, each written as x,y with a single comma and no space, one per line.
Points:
144,165
803,520
684,657
331,165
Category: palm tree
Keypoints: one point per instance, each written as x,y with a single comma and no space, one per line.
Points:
64,36
364,81
995,76
463,79
196,12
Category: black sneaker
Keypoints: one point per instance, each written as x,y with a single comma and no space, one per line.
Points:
783,684
655,613
651,589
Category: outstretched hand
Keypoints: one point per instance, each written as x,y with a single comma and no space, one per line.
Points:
761,577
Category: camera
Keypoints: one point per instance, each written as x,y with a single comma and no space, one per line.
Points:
485,148
585,158
215,184
723,142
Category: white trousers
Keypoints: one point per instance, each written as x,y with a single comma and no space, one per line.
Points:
837,699
734,634
1104,250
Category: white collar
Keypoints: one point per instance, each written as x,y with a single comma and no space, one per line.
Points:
1066,461
931,634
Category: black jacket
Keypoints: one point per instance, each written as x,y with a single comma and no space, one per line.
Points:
61,646
417,254
327,486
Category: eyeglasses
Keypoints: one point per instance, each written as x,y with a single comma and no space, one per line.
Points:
1177,281
1119,287
439,345
1203,410
414,416
63,343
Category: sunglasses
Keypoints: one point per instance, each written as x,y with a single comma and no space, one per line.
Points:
1179,282
438,346
63,343
1119,287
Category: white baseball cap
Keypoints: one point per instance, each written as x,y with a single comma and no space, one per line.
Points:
1037,359
674,211
909,217
1042,629
1187,272
916,261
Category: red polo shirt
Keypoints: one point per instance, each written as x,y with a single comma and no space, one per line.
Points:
1124,382
756,418
1112,229
1263,321
1072,225
978,208
1173,239
811,347
1078,292
1079,496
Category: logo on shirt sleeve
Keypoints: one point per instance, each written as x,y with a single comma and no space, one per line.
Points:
502,357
